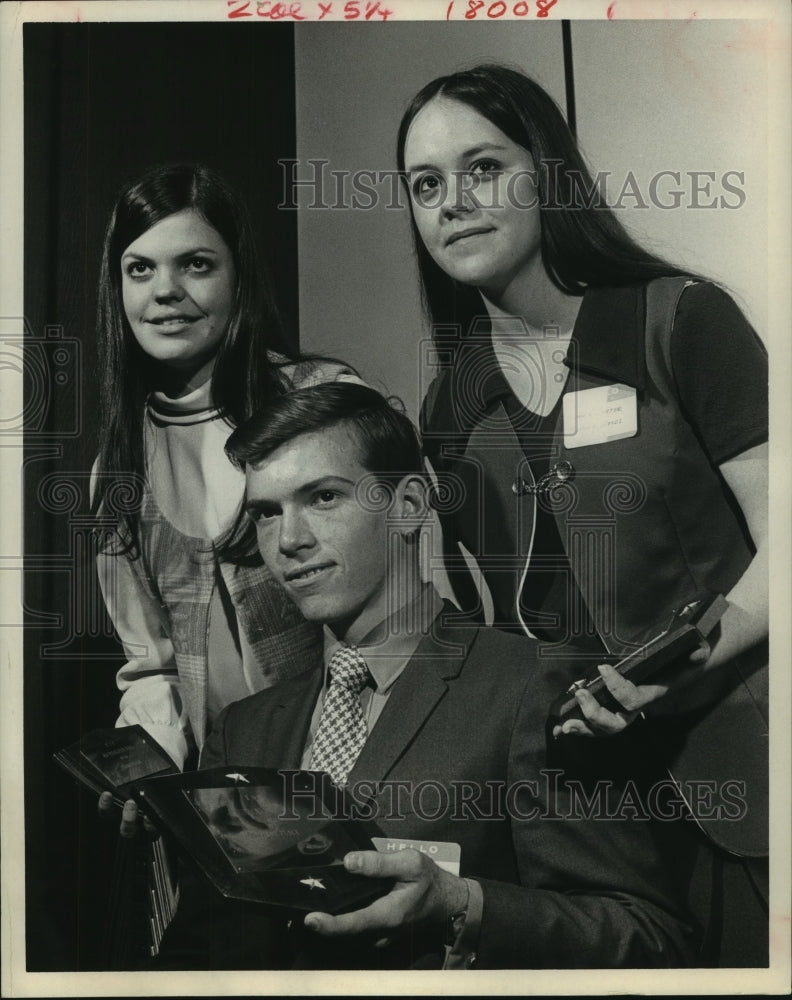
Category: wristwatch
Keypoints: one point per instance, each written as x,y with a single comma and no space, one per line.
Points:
457,920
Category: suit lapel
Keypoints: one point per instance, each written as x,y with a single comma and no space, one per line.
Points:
437,660
292,705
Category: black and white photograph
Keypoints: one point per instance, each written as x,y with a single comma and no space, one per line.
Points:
398,391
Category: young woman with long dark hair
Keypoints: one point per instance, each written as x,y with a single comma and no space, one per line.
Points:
599,421
190,344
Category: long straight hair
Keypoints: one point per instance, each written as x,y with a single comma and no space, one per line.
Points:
244,376
582,245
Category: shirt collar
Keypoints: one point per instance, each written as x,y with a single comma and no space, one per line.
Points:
194,407
608,339
388,648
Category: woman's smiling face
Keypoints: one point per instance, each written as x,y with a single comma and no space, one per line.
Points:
178,285
474,196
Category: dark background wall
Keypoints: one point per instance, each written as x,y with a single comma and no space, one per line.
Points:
102,103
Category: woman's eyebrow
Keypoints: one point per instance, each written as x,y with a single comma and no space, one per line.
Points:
481,147
182,253
195,250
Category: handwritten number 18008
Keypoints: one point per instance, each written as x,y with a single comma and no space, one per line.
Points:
499,8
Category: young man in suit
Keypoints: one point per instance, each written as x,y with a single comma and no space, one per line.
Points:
441,723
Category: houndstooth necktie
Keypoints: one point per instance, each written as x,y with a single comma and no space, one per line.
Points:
342,728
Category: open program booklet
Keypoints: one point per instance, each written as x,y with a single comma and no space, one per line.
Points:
261,835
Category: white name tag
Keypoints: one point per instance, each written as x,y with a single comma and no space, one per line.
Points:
444,854
594,416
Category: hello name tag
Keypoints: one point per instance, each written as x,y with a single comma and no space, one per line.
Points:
445,854
595,416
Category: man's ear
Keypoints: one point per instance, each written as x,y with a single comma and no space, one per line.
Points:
410,503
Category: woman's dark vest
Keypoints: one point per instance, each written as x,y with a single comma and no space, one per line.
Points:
645,521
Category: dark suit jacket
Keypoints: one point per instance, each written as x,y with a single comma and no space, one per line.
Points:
469,712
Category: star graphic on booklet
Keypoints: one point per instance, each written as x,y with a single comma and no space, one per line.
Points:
237,777
312,883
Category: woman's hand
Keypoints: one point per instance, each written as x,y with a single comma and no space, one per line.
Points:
602,721
744,624
633,698
131,817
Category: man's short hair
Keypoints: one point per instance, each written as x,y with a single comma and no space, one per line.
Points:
387,440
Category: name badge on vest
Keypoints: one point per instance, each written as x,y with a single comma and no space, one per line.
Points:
595,416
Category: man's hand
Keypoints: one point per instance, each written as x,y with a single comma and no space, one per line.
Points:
633,699
423,892
131,817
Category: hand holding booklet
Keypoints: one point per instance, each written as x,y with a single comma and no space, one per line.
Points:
687,629
261,835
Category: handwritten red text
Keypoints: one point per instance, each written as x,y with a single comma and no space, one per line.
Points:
495,9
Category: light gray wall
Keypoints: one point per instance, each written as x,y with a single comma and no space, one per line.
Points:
359,295
684,96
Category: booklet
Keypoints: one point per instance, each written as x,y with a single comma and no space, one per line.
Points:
261,835
267,836
109,760
689,626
